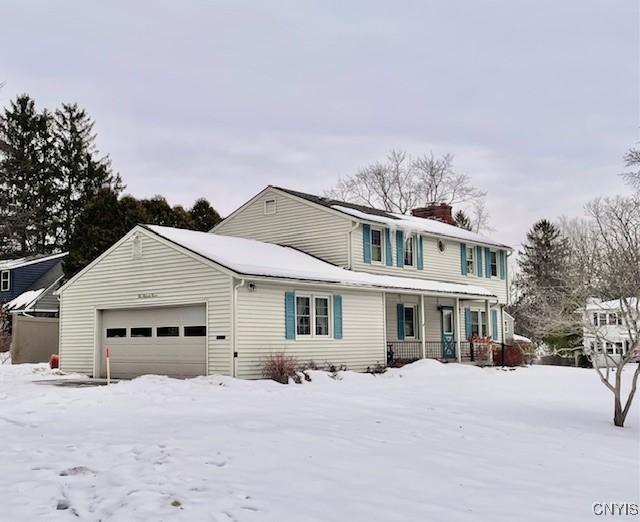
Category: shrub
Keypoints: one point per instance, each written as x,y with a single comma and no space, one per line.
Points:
513,355
5,343
279,367
378,368
309,365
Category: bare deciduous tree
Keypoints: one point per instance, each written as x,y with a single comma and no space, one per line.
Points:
605,263
402,182
632,160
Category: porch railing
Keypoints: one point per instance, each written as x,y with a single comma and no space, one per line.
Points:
408,351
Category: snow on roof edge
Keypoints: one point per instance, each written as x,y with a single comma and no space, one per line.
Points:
331,274
10,264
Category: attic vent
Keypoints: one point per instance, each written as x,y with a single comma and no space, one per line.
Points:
269,207
136,247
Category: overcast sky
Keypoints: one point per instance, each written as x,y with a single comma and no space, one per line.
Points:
537,100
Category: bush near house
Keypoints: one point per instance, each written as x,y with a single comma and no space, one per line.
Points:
513,356
280,367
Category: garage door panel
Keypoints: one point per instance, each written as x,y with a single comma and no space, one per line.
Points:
177,356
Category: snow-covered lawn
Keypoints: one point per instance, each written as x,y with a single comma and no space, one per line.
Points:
426,442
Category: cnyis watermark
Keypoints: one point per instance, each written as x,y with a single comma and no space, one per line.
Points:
616,509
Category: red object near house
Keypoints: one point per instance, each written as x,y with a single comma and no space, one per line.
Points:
54,361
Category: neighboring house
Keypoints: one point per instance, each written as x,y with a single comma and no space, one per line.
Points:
27,292
290,272
605,330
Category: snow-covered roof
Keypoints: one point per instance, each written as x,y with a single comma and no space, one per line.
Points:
24,300
420,226
9,264
259,259
596,304
521,338
397,221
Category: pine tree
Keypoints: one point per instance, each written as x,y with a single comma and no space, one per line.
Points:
542,278
102,222
81,172
462,220
203,216
28,196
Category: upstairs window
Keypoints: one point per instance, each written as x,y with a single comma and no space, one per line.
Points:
5,281
494,264
408,251
376,245
471,265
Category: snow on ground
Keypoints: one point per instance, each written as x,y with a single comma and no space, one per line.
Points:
425,442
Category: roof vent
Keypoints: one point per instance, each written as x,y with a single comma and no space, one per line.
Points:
436,211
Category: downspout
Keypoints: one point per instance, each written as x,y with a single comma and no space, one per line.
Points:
353,228
235,326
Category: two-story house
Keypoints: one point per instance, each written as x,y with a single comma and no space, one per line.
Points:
605,331
28,284
319,279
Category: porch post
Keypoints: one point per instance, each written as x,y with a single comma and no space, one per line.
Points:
384,328
423,331
457,330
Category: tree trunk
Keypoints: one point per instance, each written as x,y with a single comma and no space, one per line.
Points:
618,414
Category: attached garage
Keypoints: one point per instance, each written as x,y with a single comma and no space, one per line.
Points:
163,340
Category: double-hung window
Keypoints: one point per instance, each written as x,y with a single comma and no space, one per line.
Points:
376,245
321,314
409,250
478,323
410,322
303,315
313,316
5,281
494,263
471,266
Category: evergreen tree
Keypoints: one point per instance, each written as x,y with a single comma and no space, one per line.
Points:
27,195
203,216
103,221
462,220
542,279
80,171
158,211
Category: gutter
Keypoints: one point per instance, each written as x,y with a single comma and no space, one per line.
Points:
354,227
235,325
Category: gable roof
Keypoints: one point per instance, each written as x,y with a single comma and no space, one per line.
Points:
248,257
395,221
10,264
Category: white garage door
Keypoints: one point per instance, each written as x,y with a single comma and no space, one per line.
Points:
162,341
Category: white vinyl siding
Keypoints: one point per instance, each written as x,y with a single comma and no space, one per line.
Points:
261,330
438,266
163,276
299,224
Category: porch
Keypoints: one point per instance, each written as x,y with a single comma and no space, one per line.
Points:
461,329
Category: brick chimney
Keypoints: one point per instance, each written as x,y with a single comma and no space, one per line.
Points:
437,211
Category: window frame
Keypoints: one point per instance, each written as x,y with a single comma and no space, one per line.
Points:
184,330
149,328
5,282
483,327
107,330
413,309
493,265
266,207
381,232
162,336
471,260
312,315
409,240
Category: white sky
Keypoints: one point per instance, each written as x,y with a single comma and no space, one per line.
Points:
538,100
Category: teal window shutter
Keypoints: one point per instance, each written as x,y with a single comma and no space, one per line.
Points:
463,258
399,248
479,260
366,242
467,323
289,315
400,314
503,268
494,324
337,317
487,262
420,255
387,247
